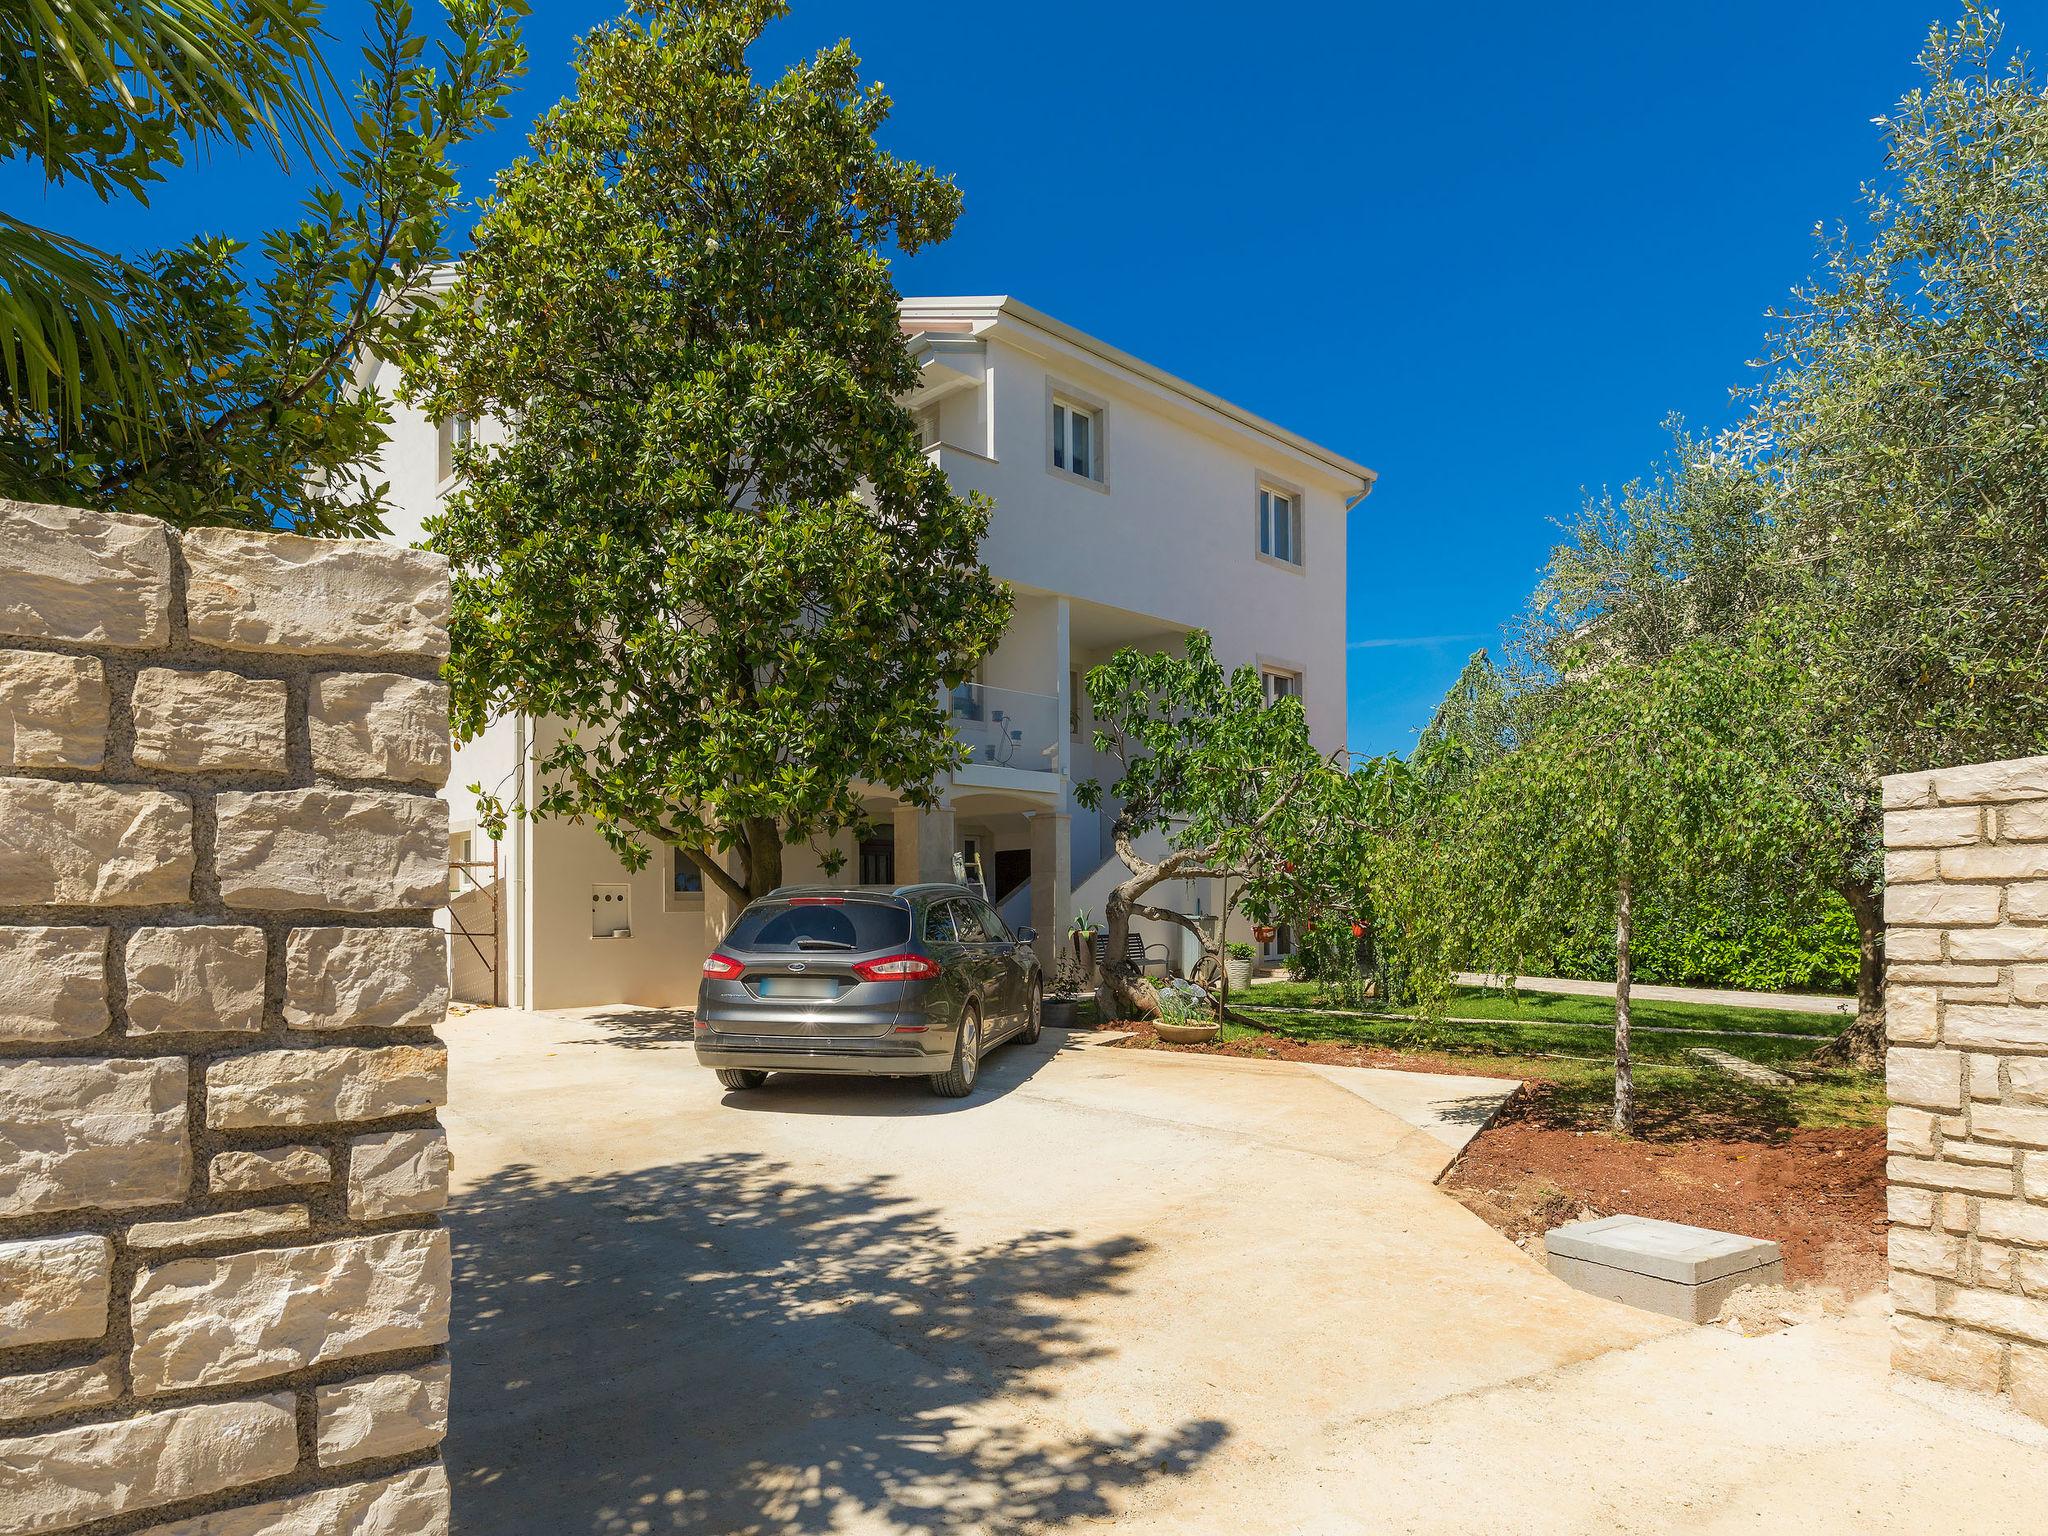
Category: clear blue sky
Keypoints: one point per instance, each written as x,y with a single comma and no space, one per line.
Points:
1482,248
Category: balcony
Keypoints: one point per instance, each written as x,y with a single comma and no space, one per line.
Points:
1005,728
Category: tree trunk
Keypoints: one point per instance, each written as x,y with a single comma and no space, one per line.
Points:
1624,1076
1121,990
1862,1043
764,857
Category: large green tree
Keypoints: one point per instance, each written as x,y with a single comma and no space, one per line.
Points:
1905,432
212,382
702,530
1880,517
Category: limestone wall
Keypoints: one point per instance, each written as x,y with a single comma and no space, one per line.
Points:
1966,1011
223,1282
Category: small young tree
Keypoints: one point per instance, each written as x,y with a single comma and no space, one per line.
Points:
708,539
1208,763
240,404
1640,776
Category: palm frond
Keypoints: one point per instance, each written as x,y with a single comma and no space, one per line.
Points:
62,332
222,70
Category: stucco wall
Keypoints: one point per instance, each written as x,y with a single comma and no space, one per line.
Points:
1966,1013
223,1279
1172,534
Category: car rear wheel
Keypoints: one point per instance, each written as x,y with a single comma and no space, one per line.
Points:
741,1077
957,1081
1034,1017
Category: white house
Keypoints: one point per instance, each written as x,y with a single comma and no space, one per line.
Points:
1131,508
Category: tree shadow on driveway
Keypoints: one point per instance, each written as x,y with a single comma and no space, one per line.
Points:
719,1346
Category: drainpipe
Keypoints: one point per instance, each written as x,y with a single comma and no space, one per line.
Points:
518,921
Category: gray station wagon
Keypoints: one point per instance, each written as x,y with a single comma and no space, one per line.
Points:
883,981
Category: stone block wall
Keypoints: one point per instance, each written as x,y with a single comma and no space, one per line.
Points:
224,1286
1966,1014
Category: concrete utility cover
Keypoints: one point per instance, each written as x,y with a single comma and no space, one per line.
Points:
1159,1294
1662,1266
1669,1250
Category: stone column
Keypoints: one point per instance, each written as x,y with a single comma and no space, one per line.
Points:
925,844
223,1277
1966,1016
1052,882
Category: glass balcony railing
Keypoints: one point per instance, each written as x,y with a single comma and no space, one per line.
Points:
1007,728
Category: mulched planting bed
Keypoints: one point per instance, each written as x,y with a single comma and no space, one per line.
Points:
1326,1053
1819,1194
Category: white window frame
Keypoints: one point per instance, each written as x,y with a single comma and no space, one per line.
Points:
673,900
450,434
1292,681
1264,491
1062,406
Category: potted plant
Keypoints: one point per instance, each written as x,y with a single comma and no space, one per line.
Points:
1237,963
1082,935
1061,1007
1186,1016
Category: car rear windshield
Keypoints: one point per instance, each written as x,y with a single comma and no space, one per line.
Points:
852,926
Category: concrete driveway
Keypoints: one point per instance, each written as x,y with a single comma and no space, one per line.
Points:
1134,1290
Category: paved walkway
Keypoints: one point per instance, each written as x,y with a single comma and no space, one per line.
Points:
1133,1291
1725,997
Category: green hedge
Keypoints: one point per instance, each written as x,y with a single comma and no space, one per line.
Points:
1727,942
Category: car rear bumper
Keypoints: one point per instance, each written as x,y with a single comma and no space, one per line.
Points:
869,1056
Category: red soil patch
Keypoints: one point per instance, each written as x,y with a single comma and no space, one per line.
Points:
1819,1194
1324,1053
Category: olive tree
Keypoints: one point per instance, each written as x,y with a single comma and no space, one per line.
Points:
1207,764
1903,429
707,538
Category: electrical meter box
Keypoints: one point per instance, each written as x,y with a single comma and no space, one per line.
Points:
611,911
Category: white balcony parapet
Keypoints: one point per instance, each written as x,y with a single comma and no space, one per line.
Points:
1007,728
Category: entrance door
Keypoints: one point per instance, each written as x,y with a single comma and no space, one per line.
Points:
878,861
1012,867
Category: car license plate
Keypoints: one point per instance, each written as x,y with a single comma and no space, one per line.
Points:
797,986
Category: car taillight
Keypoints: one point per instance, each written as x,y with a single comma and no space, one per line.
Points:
817,901
722,967
896,968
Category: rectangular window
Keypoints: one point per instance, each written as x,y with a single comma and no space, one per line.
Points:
1076,439
1282,685
1074,705
453,436
687,879
928,427
1279,525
